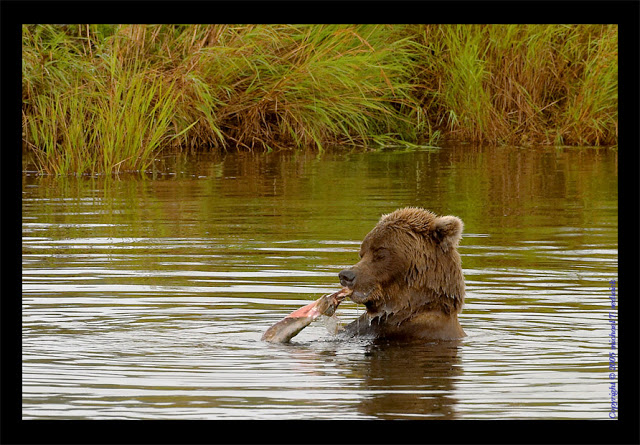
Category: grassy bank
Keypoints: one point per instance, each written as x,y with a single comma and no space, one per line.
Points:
108,98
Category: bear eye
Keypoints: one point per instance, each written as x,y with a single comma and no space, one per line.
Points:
380,254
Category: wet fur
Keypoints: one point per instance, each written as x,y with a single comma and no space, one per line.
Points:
410,277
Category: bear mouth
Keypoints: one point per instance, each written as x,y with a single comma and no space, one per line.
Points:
360,297
363,296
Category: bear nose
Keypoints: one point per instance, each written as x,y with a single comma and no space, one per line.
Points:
347,277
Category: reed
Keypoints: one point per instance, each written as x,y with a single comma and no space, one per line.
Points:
99,117
289,86
108,98
522,84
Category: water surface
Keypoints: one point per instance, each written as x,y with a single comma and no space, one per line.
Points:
145,298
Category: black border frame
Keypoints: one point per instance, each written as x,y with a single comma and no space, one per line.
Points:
15,430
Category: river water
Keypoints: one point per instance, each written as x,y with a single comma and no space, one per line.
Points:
145,298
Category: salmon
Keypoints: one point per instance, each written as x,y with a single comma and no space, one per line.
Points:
292,324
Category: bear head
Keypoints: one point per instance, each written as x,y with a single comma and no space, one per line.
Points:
409,262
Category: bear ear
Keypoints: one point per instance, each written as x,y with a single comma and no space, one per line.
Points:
448,230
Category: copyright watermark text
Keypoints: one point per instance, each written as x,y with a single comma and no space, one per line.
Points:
613,358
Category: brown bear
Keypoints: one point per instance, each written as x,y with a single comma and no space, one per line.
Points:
409,277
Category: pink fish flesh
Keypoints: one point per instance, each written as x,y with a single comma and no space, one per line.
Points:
292,324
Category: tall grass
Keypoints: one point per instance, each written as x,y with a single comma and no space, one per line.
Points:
108,98
102,117
522,84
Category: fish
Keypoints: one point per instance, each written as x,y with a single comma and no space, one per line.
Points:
292,324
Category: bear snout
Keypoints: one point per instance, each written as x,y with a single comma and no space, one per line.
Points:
347,278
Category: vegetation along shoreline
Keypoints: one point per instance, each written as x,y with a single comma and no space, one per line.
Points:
109,98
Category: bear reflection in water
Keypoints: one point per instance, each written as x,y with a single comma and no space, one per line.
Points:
415,380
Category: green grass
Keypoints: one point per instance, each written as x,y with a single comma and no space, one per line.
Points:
108,98
522,84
